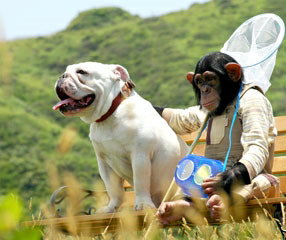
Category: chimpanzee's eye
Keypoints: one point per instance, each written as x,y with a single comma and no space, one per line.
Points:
199,82
213,81
211,78
82,72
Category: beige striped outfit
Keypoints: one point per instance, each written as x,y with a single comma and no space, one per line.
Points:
253,138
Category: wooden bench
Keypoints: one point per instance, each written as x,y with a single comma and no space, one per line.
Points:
102,223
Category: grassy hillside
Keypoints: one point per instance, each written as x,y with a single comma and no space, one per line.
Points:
157,53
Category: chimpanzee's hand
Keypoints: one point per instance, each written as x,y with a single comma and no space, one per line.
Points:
210,185
238,174
216,206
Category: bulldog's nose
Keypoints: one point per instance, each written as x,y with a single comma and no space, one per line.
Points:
65,75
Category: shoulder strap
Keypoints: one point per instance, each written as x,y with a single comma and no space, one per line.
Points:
249,86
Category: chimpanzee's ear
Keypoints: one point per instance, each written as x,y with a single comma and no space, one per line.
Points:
234,71
190,76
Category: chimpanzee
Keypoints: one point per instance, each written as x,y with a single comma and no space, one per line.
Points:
217,83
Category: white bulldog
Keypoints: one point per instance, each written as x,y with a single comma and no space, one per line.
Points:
129,137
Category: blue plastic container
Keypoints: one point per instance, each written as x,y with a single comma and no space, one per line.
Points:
192,170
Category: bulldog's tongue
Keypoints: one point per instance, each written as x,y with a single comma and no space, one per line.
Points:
61,103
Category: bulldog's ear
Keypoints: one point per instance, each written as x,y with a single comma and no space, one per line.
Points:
124,75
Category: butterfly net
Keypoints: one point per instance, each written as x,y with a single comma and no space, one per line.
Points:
254,45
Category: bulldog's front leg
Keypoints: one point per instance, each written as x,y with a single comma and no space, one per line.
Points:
141,165
114,187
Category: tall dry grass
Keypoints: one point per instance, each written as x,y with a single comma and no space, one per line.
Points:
262,226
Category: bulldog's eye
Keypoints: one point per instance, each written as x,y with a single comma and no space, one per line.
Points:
82,72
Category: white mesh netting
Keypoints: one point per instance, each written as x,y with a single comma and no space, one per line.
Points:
254,44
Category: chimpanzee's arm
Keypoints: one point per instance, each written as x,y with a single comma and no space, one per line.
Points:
238,174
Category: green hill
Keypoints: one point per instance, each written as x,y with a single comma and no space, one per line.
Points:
156,51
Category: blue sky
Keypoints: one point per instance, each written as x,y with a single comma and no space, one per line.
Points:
29,18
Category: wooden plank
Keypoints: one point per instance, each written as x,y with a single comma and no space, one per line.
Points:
279,165
283,184
280,144
96,223
200,149
281,124
189,138
126,185
266,201
129,198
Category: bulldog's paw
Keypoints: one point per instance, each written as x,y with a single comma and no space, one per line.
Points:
106,209
141,204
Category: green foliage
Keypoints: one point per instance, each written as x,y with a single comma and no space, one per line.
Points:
224,4
11,211
158,52
99,18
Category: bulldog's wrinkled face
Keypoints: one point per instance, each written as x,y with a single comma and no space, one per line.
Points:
84,87
74,91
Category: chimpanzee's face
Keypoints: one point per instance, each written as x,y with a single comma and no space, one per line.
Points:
216,81
208,84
